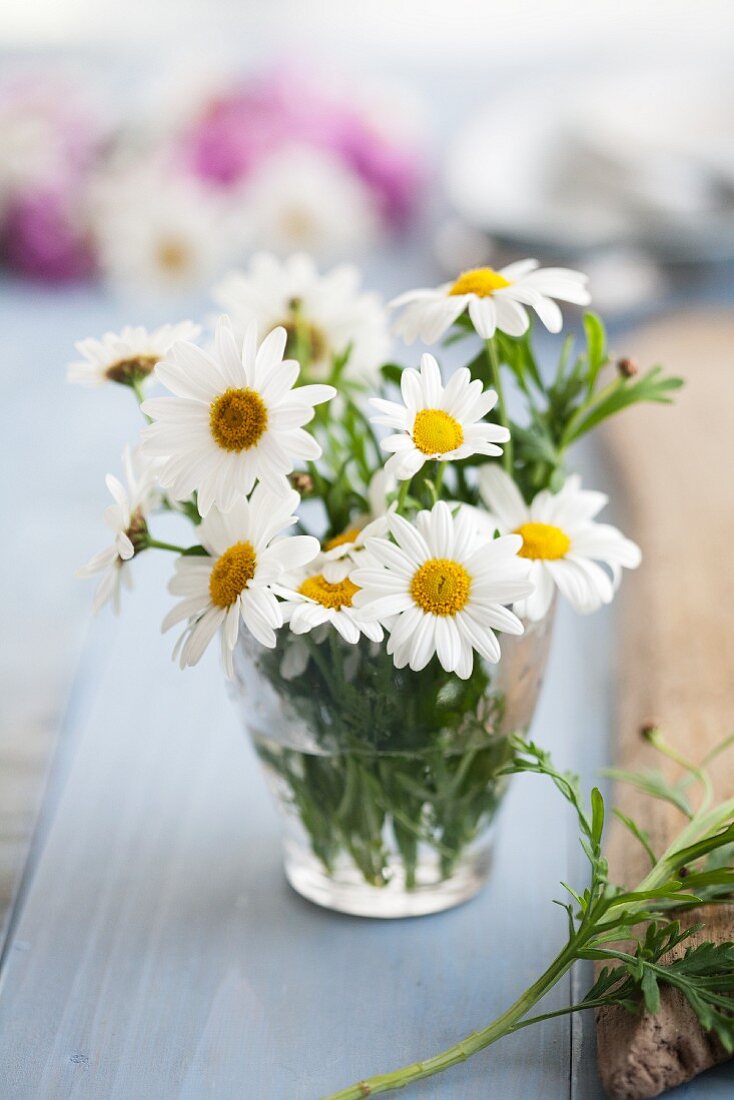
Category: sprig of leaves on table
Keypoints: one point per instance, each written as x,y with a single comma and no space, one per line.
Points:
604,918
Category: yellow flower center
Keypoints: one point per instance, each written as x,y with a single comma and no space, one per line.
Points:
482,281
435,432
350,535
173,256
237,419
441,586
126,371
542,541
232,573
337,595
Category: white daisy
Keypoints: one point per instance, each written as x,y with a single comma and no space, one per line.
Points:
159,233
127,518
350,543
437,422
561,540
305,198
324,315
494,300
127,357
315,601
235,419
439,589
245,560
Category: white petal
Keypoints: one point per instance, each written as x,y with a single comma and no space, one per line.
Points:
293,552
410,539
502,497
424,643
431,381
448,646
483,316
536,606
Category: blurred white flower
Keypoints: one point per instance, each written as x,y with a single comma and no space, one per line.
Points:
46,129
306,198
324,315
160,233
561,540
493,299
128,357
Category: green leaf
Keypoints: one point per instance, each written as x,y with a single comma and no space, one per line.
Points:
637,832
597,815
391,372
517,353
651,387
596,353
650,991
653,783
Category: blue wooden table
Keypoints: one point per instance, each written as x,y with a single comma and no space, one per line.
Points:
153,949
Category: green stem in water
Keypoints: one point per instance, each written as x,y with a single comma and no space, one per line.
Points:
496,376
508,1022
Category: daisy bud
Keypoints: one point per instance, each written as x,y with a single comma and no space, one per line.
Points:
627,368
137,532
302,483
648,730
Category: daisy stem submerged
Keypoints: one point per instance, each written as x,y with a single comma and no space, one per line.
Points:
496,376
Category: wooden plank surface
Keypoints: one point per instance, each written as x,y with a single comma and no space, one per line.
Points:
53,496
677,648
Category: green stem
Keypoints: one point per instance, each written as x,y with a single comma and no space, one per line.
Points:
439,479
567,1010
496,376
136,386
155,544
696,771
403,495
569,432
302,342
509,1021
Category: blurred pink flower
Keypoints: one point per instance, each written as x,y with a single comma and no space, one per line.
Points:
50,137
236,130
44,236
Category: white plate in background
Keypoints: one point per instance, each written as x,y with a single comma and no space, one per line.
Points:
642,159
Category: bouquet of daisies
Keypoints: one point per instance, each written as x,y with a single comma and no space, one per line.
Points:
362,533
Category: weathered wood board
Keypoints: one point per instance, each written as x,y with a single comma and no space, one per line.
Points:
676,467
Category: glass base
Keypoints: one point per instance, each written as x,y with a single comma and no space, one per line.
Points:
345,891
